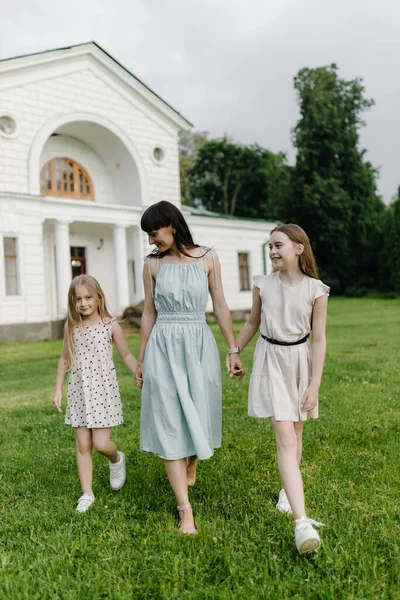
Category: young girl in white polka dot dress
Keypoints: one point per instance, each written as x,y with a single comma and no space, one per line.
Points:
287,371
94,403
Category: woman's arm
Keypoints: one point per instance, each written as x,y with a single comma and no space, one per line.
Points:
222,312
318,350
252,324
148,319
61,373
122,347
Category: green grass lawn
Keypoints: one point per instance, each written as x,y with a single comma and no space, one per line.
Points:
127,545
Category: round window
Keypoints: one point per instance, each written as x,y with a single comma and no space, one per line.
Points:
8,126
158,154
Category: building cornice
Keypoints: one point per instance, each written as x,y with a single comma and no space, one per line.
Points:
223,223
85,211
91,212
92,49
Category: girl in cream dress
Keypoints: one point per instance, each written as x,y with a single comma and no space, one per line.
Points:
287,370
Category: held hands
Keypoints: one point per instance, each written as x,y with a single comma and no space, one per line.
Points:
139,374
310,399
57,400
234,366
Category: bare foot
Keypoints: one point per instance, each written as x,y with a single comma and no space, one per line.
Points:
191,467
186,521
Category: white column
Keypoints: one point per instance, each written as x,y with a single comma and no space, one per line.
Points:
121,268
63,266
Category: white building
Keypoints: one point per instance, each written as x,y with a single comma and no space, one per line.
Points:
84,148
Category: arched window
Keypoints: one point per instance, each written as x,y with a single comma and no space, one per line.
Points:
65,178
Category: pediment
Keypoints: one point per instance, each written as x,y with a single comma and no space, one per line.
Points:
52,64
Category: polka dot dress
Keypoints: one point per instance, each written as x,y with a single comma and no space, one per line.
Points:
93,393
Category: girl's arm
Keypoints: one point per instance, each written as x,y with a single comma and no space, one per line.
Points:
122,347
147,322
252,324
222,312
318,349
61,373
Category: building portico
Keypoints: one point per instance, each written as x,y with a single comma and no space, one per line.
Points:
108,238
109,249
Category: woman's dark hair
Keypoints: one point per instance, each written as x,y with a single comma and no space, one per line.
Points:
164,214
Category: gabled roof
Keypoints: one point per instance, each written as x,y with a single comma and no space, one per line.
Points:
93,48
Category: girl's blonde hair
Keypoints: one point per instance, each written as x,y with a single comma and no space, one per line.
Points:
74,318
297,235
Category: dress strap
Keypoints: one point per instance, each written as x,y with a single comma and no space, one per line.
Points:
215,271
204,260
203,249
151,277
158,264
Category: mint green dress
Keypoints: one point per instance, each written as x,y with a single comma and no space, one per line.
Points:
181,412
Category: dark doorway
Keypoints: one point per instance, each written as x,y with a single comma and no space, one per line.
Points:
78,261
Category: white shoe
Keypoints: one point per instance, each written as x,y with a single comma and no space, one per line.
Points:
283,503
118,472
307,538
84,503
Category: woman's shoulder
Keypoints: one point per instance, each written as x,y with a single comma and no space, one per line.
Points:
153,255
209,254
205,250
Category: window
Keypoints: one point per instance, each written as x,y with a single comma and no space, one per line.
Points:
244,271
10,266
78,261
158,155
8,126
65,178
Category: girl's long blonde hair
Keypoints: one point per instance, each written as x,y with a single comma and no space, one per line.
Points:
297,235
74,318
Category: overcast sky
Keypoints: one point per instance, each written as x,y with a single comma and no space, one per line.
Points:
228,65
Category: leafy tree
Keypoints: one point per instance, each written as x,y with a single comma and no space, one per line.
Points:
389,256
234,179
276,200
334,189
219,175
189,145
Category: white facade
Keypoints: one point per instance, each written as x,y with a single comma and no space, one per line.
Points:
79,103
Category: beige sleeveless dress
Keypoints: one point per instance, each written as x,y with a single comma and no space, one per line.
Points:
93,394
281,374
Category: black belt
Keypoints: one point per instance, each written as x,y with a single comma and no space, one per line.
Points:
278,343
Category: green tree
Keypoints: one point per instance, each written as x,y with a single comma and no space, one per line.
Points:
234,179
389,256
334,188
189,145
277,192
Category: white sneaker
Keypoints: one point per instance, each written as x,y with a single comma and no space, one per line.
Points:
84,503
307,538
118,472
283,503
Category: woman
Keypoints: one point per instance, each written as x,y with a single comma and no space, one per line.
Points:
178,359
